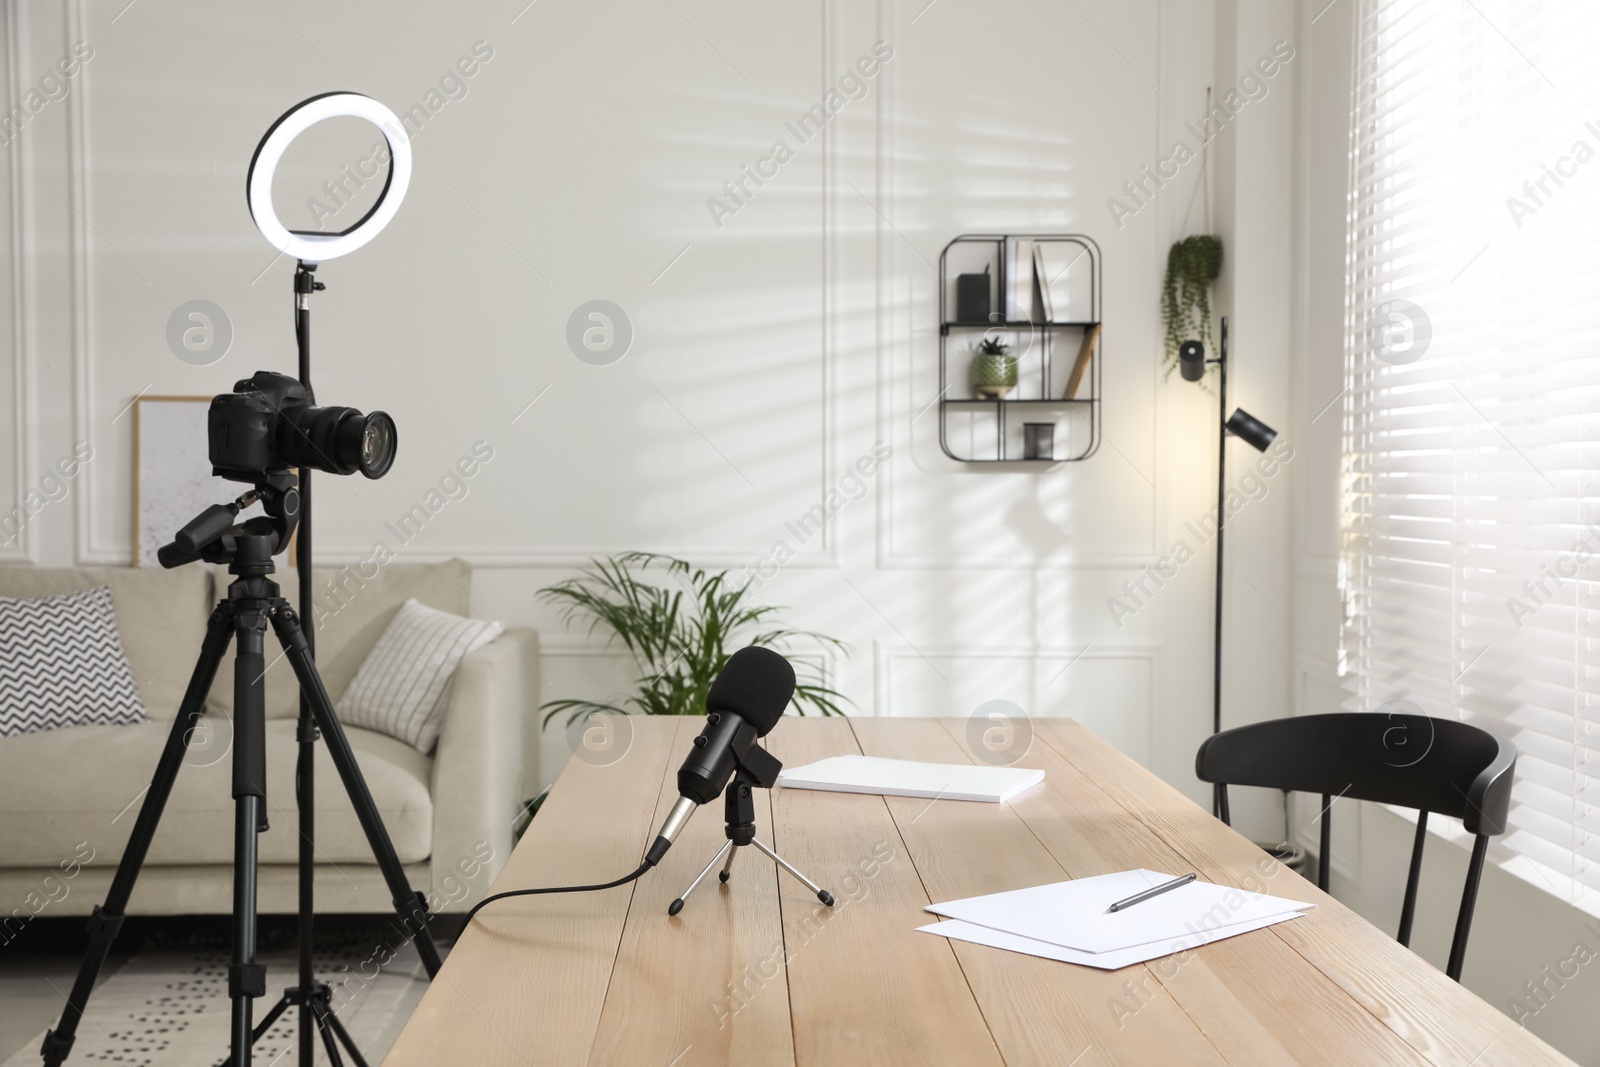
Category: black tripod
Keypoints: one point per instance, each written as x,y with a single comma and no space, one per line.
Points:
252,602
756,767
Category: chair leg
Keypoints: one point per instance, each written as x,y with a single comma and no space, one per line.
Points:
1221,799
1325,856
1409,908
1469,901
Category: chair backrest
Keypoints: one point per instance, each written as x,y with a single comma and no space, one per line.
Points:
1414,761
1436,765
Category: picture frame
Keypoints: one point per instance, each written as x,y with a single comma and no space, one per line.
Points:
172,480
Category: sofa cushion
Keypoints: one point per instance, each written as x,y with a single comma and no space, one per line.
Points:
62,664
161,615
351,608
402,687
85,784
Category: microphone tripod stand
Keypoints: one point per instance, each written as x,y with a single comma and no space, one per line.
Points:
756,768
251,603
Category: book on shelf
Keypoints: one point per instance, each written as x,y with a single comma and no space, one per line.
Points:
1055,265
1041,286
1080,366
1019,279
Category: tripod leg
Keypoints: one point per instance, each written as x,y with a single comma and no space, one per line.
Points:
408,904
822,894
305,805
728,866
247,979
324,1018
107,917
344,1037
271,1017
677,905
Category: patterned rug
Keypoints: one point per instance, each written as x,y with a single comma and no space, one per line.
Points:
168,1006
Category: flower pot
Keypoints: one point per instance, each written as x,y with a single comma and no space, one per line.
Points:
993,376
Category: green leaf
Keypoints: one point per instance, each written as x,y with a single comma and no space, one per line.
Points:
680,624
1192,265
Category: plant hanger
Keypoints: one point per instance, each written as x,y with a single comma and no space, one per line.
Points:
1193,264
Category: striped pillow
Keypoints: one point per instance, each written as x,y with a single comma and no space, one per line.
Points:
402,688
62,664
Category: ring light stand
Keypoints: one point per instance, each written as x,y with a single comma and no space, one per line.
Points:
313,998
251,601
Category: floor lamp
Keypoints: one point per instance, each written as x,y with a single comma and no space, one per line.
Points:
1192,362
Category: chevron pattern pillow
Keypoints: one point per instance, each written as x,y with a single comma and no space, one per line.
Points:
402,687
62,664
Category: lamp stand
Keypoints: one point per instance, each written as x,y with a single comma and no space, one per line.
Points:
1219,797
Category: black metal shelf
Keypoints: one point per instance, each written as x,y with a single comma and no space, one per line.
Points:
1020,400
946,327
1045,331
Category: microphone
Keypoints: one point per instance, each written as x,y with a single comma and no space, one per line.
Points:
745,702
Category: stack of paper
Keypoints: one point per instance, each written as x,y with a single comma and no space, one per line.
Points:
908,778
1068,921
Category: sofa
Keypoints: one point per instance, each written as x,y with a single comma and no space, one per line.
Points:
69,797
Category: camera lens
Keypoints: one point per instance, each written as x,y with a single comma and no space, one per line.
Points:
375,443
339,440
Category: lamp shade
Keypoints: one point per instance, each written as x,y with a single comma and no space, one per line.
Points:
1255,433
313,247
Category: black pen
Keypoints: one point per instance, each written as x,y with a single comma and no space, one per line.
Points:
1153,891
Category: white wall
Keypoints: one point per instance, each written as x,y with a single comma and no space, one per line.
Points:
770,353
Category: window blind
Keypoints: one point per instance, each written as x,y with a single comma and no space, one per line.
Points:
1471,569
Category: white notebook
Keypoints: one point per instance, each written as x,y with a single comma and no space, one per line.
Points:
908,778
1114,960
1073,914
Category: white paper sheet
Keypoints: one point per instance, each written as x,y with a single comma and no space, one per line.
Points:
1106,961
1073,914
909,778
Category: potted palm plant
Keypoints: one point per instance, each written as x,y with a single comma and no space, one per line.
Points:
680,631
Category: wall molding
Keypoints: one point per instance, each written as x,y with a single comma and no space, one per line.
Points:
566,558
80,279
26,547
885,656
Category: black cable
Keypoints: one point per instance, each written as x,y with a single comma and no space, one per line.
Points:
479,906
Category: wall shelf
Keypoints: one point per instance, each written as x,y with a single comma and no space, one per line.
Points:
1039,368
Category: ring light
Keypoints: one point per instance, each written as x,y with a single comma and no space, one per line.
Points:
311,246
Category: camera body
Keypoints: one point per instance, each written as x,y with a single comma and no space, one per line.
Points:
270,423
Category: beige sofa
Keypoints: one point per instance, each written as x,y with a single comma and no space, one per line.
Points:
69,798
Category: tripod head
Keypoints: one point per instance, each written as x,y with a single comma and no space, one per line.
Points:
214,536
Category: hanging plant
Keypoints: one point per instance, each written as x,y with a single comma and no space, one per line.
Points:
1192,265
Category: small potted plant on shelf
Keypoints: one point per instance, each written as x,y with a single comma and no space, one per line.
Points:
994,373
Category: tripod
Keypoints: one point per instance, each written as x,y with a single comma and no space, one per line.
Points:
756,767
251,604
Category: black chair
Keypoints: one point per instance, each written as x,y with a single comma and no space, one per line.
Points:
1414,761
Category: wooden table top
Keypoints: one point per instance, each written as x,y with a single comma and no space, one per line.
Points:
758,972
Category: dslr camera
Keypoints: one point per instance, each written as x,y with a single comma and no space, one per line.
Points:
270,423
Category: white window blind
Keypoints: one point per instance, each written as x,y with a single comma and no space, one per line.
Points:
1471,572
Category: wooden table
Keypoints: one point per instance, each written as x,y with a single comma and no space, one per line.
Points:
758,972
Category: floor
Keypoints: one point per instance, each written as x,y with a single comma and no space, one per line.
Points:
38,966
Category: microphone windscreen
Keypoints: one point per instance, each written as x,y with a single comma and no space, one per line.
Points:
756,684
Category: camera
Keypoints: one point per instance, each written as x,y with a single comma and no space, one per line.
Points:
269,423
